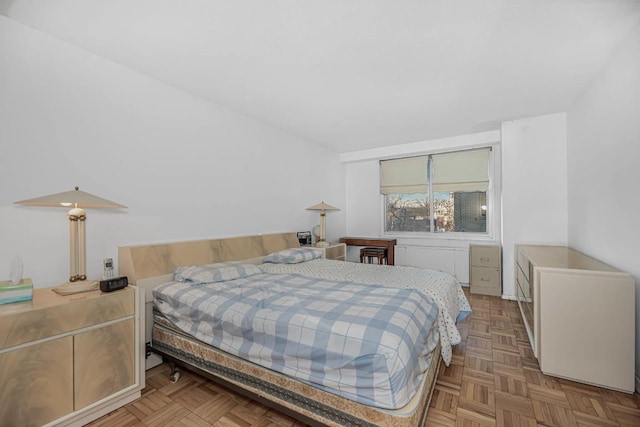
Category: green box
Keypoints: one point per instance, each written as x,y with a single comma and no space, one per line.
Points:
10,293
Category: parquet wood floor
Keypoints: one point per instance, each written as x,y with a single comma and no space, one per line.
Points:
493,380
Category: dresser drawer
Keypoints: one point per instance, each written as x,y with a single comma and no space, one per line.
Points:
524,284
51,314
528,316
485,256
525,265
520,258
485,280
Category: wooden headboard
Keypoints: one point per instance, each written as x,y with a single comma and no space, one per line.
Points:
145,261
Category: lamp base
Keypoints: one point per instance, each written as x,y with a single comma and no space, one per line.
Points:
322,244
71,288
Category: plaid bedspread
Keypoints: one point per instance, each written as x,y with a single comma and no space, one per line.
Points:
370,344
442,288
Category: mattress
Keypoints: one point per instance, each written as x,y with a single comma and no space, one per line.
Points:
442,288
303,401
369,344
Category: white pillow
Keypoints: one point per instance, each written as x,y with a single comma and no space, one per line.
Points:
293,256
218,272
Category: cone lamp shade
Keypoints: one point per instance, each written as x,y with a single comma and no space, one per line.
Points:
77,200
322,207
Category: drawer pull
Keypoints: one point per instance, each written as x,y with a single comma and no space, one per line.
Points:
485,259
484,279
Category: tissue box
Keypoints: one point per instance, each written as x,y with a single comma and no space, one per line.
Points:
10,293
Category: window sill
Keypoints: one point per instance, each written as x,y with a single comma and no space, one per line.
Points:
441,239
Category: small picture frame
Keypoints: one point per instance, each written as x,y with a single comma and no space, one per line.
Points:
304,238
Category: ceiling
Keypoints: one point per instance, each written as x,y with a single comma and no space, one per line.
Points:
354,75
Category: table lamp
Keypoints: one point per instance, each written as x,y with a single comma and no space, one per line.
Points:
322,207
77,200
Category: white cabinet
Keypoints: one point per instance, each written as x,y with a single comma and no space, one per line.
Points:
67,360
579,314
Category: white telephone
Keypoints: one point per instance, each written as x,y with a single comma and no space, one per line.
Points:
108,269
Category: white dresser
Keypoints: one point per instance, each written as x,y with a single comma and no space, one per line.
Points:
579,314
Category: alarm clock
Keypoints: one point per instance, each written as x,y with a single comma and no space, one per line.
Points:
110,285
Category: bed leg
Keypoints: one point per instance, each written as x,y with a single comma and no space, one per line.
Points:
174,376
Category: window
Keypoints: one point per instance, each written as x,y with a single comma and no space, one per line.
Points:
439,193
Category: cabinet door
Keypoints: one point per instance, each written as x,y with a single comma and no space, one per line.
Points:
104,362
37,383
337,252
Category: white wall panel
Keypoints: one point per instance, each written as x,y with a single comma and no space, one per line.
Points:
454,261
534,187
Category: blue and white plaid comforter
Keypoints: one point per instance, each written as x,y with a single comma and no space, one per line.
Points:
441,287
370,344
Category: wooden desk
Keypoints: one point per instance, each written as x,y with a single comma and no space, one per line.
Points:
373,241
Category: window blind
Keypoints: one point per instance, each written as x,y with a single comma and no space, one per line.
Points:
408,175
461,171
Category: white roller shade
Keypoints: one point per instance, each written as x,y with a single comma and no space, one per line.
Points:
408,175
461,171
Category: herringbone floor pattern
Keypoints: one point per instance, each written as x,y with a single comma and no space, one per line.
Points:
493,380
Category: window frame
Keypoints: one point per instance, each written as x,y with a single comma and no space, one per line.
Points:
492,202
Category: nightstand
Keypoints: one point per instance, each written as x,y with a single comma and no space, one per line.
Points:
70,359
337,251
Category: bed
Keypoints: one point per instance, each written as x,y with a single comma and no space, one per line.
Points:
307,397
443,288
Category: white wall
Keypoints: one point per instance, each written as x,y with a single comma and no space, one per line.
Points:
534,187
186,168
604,168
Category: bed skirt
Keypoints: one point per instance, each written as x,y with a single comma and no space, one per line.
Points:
288,395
